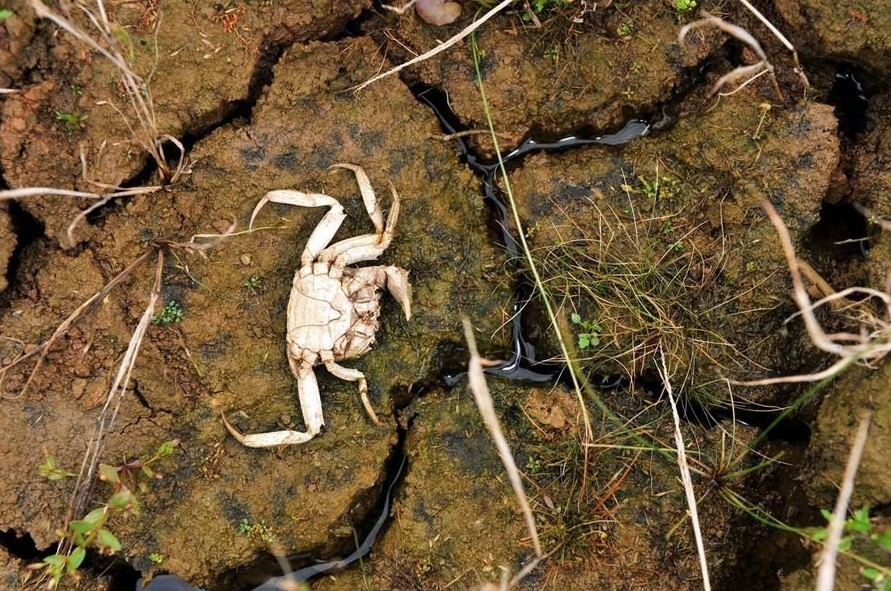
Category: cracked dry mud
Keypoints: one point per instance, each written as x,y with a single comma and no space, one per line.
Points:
260,94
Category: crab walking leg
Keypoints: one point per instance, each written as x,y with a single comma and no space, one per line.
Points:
310,405
326,229
354,375
368,196
363,248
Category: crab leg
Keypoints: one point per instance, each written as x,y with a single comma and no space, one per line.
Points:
367,247
310,405
368,196
326,229
354,375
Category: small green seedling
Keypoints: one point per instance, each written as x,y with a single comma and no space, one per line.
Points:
257,530
591,336
681,6
91,531
254,283
157,557
860,527
71,121
171,313
5,13
50,471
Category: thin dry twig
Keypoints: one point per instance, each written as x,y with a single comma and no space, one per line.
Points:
63,328
113,401
776,32
744,72
480,390
147,135
826,571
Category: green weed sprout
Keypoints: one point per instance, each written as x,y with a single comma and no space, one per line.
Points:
257,530
859,528
71,121
91,530
681,6
589,338
171,313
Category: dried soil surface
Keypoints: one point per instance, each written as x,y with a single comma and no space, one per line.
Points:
659,247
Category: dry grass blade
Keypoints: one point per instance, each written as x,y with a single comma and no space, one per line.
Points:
826,572
63,328
685,472
113,401
483,399
781,37
111,37
867,347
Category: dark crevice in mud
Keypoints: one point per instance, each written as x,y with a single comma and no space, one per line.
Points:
20,546
337,555
840,235
523,363
27,230
228,113
850,100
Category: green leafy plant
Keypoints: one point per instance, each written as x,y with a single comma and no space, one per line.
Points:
171,313
71,122
91,531
681,6
257,530
50,471
254,283
591,335
859,527
5,13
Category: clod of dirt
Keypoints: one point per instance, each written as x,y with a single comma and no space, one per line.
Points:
855,32
561,78
7,244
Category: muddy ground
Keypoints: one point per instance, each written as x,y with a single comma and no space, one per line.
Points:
657,247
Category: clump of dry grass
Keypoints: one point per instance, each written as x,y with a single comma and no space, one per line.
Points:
636,284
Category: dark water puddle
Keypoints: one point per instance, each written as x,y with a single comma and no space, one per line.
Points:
850,100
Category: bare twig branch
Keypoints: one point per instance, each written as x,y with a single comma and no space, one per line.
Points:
439,48
867,347
745,37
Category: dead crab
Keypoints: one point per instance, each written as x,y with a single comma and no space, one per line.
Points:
333,309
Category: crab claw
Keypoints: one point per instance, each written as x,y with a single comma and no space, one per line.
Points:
400,288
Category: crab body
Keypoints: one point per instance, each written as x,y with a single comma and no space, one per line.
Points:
333,310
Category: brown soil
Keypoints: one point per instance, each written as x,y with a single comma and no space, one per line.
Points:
260,95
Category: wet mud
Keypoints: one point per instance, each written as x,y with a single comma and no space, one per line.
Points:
657,248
